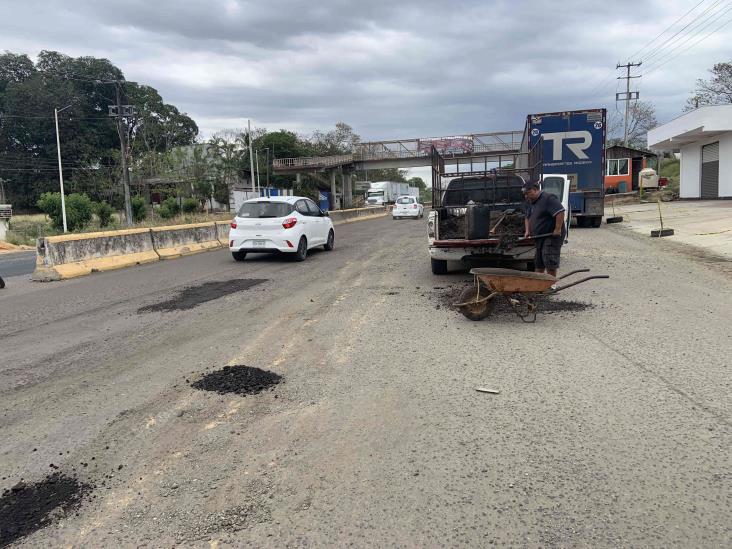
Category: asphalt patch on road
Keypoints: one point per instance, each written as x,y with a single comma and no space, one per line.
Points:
196,295
446,296
26,508
240,380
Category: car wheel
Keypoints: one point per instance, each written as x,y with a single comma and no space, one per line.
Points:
330,244
238,255
596,222
439,266
302,249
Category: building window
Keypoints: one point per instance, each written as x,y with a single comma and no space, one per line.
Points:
618,166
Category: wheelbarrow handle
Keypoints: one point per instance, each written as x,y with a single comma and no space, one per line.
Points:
532,236
580,281
570,273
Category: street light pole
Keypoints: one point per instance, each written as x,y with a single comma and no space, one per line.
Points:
60,168
251,156
256,157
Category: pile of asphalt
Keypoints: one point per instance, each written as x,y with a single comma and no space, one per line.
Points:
446,297
240,380
25,508
196,295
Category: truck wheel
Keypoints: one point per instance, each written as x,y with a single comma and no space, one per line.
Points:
596,222
238,255
439,266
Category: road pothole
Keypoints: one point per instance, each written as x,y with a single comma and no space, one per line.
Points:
241,380
196,295
26,508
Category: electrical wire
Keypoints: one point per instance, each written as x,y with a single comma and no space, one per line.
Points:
700,20
637,52
694,23
717,29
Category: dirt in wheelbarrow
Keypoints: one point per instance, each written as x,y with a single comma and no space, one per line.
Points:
445,297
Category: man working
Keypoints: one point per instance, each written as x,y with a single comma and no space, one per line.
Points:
545,220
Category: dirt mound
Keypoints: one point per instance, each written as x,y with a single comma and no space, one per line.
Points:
241,380
25,508
196,295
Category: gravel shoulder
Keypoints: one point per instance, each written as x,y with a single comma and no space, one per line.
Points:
612,425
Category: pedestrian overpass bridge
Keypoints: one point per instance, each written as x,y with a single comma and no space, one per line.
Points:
473,151
406,153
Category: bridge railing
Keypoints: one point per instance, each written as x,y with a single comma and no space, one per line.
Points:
451,146
313,161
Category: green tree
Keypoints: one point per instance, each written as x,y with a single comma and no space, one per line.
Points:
417,182
340,140
715,91
89,140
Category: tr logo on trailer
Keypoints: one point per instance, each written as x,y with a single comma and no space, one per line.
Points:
578,148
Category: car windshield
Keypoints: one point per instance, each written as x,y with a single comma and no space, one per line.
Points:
375,193
265,209
405,200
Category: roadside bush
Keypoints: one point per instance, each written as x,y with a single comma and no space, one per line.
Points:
189,205
171,204
79,209
104,213
50,204
139,209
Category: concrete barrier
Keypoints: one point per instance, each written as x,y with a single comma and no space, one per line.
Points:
69,256
346,216
222,232
179,240
72,255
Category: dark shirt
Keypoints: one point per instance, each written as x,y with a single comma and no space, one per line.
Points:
541,214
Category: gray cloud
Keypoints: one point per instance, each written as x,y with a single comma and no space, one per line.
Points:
390,69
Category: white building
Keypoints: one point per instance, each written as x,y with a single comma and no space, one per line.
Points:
704,138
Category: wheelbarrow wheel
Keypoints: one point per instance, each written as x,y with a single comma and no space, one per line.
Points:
472,309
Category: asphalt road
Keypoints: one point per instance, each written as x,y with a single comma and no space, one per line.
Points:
612,426
17,264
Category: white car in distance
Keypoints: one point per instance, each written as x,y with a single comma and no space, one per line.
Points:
287,224
407,206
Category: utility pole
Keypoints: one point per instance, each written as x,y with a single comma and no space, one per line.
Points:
60,168
118,111
628,95
251,155
259,187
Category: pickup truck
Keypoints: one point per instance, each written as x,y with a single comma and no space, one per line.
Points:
481,218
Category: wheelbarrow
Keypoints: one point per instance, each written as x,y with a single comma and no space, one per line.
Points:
519,288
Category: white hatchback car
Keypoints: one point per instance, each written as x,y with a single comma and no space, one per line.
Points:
407,206
288,224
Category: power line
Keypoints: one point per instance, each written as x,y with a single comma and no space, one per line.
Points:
699,19
694,23
693,31
661,64
637,53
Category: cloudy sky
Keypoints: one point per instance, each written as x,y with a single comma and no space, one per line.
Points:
390,69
